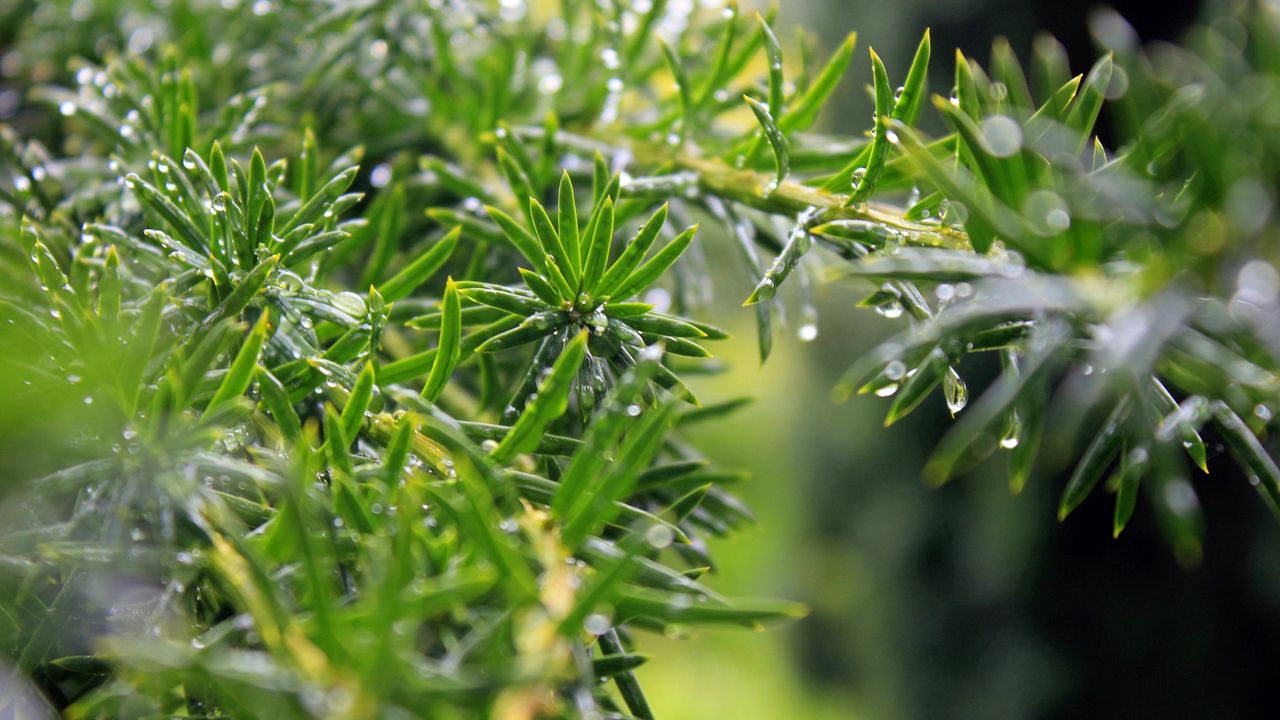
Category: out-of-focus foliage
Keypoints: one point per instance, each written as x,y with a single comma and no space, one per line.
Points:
331,393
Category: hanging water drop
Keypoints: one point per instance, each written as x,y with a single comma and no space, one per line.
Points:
955,391
890,308
1012,431
858,175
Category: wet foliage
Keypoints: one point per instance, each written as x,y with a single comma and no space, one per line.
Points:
346,343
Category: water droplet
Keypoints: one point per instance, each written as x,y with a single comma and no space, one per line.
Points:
67,108
350,303
1257,283
659,536
597,624
1047,212
1012,429
1003,135
890,308
895,370
551,83
887,390
1180,497
659,298
955,391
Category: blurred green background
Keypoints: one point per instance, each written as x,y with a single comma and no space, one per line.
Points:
965,601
